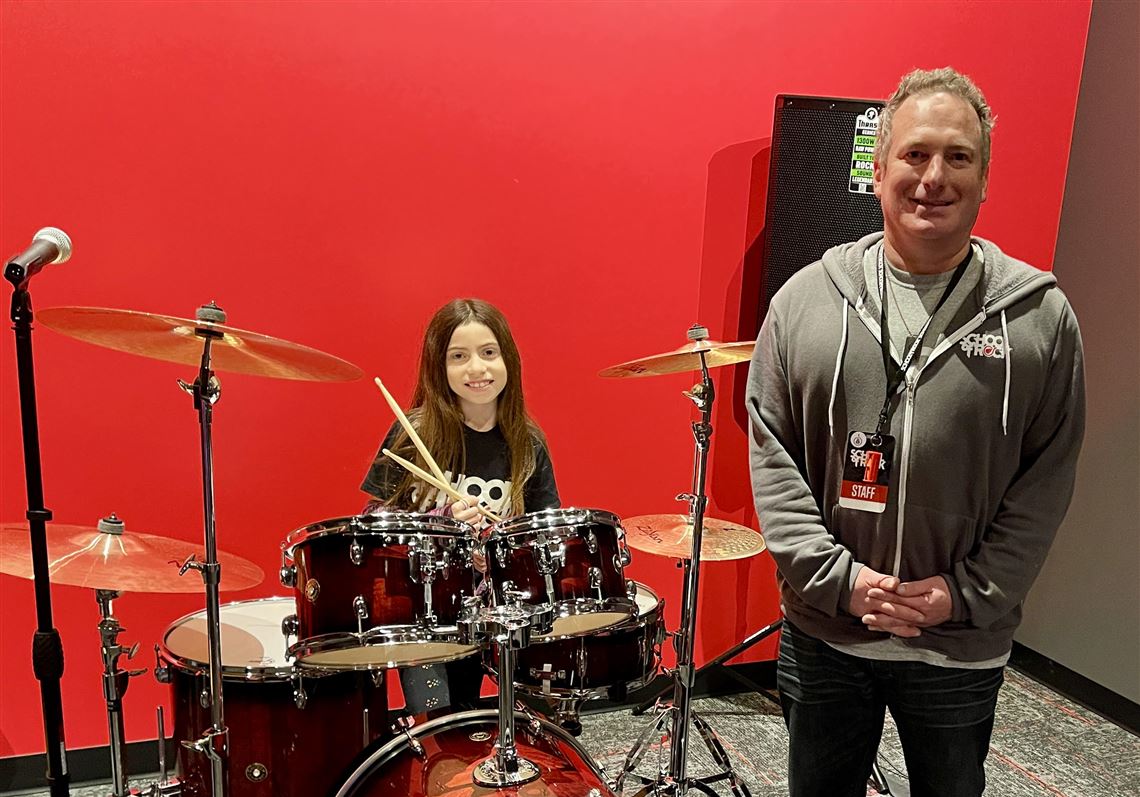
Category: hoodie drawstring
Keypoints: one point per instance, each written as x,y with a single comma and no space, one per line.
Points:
1005,400
839,366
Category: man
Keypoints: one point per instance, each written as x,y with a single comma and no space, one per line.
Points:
909,485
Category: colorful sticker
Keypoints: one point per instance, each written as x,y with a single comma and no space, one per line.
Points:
863,152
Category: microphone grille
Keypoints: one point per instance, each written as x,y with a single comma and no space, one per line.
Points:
57,237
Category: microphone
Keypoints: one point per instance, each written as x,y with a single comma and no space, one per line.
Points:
50,245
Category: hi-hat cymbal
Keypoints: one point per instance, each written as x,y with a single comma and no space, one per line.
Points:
172,339
686,358
672,535
125,561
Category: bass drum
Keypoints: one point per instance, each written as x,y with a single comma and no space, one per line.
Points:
439,758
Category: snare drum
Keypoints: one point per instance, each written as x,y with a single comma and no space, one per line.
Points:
379,590
288,734
625,656
573,559
439,758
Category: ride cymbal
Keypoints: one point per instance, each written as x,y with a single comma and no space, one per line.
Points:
686,358
672,535
125,561
172,339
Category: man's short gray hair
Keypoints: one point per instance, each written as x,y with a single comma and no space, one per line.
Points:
932,81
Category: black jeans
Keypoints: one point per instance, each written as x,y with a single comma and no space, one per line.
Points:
834,708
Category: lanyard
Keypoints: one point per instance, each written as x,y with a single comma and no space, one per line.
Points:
895,380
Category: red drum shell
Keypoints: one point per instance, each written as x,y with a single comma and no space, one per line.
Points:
275,748
625,655
454,745
515,547
329,578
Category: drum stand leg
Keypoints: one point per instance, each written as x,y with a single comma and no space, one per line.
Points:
675,781
205,390
115,682
736,650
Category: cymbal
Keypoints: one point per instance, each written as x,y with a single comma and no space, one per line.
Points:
686,358
172,339
672,535
129,561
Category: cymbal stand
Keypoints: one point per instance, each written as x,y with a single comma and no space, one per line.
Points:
675,781
206,390
47,648
115,681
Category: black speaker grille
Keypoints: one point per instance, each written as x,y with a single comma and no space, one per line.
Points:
809,206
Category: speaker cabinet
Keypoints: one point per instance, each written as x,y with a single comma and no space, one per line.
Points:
819,183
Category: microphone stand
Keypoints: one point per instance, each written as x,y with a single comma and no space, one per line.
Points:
47,648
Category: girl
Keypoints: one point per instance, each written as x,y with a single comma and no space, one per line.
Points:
468,409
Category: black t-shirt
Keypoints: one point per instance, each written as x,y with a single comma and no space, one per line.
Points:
487,477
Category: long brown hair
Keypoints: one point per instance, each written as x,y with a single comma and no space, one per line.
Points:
438,417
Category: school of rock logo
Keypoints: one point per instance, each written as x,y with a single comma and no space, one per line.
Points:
984,345
859,457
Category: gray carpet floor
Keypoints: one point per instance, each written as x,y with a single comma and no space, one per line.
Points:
1043,746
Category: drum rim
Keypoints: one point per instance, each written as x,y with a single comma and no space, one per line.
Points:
388,523
547,519
410,635
386,752
233,672
576,607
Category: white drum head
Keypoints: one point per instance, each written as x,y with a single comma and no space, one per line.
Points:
645,598
252,640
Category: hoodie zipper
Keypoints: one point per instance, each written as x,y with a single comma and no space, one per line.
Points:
904,471
908,417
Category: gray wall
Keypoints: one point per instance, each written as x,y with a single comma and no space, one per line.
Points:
1084,611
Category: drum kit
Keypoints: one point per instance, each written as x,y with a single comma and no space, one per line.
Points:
287,695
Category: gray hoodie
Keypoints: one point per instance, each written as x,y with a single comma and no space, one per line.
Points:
988,429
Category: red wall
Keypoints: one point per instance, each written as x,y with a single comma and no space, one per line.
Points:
331,173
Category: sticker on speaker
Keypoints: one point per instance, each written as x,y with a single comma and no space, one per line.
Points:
863,152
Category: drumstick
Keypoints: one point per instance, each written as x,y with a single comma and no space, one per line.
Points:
415,470
415,438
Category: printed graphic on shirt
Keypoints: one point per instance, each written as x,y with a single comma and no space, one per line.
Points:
494,494
863,152
978,344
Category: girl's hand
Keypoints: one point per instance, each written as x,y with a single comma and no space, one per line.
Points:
465,512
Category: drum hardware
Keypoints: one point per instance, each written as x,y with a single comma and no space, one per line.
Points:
404,726
166,786
701,354
207,342
732,652
508,627
115,683
361,608
300,696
